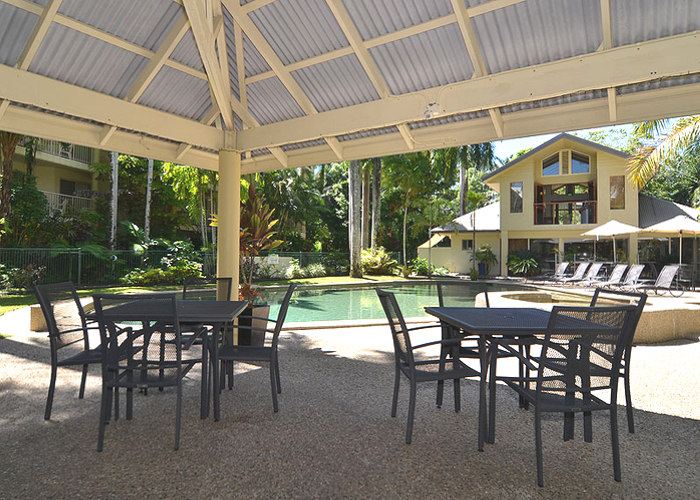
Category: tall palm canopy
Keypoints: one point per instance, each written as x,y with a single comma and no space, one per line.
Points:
304,82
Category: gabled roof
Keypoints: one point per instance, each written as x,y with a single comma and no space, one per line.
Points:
306,82
553,140
488,219
654,210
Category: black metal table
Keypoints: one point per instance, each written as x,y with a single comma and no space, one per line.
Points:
207,312
488,323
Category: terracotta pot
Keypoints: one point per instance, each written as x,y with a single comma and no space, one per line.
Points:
253,337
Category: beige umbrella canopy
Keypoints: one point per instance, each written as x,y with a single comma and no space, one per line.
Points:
611,229
680,224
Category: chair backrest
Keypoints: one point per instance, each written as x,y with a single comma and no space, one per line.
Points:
282,314
666,276
633,274
452,294
583,348
64,315
637,299
196,288
157,338
580,270
402,341
594,270
617,273
561,269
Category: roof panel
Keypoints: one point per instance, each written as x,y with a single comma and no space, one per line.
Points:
255,63
336,83
427,60
73,57
368,133
555,101
636,21
231,52
187,52
299,29
179,93
16,26
269,101
538,31
442,120
303,145
374,18
143,23
659,83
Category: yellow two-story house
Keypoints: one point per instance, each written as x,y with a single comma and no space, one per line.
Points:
549,197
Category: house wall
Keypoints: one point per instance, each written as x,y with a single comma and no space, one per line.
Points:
51,169
529,172
457,260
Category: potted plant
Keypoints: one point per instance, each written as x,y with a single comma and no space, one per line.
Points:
256,235
485,258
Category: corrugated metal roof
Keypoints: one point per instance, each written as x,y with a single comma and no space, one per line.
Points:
303,145
143,23
659,83
299,29
254,61
653,210
73,57
269,101
423,61
374,18
336,83
636,21
178,93
487,219
16,26
231,53
187,52
367,133
555,101
538,31
441,120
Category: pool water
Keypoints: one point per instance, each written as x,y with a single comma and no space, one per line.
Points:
309,304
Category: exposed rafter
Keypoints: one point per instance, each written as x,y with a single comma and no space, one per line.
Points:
600,70
42,26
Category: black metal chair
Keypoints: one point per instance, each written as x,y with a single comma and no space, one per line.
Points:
201,289
422,369
578,370
229,352
68,329
638,299
140,357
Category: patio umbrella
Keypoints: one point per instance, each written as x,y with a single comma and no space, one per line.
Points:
679,224
611,229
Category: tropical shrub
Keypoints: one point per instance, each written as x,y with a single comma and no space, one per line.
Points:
21,278
377,262
423,268
525,262
157,276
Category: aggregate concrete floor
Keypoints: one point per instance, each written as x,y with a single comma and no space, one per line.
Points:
333,436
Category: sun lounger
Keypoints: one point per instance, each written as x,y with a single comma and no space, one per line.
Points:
615,277
632,277
579,275
666,281
592,275
559,272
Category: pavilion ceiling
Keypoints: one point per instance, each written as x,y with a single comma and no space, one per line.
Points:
302,82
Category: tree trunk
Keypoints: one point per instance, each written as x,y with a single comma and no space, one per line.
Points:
376,199
113,201
365,207
8,143
354,218
147,216
30,145
405,217
463,187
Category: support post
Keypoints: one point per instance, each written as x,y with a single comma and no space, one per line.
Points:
229,216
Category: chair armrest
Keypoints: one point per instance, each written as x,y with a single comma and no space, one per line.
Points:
446,342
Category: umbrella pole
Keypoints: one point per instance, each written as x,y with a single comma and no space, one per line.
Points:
614,250
680,247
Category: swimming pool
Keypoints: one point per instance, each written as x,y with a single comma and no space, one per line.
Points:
327,305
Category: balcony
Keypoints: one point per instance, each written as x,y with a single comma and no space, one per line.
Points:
81,154
566,212
66,203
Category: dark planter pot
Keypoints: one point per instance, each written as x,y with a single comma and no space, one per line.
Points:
253,337
482,269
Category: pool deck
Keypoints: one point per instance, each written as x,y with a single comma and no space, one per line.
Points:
333,437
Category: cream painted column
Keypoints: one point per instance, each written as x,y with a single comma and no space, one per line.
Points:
504,253
561,250
229,216
633,249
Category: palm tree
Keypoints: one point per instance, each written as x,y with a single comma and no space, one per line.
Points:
684,135
354,218
8,144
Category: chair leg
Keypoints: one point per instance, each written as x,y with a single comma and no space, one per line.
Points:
615,443
395,398
104,415
411,412
230,367
52,388
277,372
538,447
178,413
83,379
129,403
274,388
628,401
458,398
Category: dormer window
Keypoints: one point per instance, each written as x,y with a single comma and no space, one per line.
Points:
550,166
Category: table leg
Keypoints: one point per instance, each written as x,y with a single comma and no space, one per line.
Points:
204,411
492,359
483,358
215,369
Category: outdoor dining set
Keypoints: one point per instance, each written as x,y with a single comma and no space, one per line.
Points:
151,341
570,360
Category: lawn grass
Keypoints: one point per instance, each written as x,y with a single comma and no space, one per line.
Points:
10,302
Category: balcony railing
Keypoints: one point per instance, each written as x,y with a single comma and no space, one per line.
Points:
566,212
73,152
65,202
